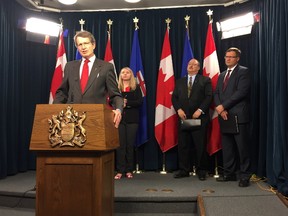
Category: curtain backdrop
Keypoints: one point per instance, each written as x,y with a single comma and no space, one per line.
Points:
27,69
272,94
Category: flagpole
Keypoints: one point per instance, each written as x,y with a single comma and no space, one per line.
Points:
138,171
187,19
109,23
163,165
216,175
168,21
82,22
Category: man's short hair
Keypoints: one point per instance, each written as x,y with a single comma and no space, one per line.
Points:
84,34
234,49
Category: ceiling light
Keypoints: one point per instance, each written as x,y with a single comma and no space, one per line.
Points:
68,2
132,1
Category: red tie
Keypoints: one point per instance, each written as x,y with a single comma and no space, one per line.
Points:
85,75
226,79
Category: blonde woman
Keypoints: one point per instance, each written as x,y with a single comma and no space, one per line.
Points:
129,123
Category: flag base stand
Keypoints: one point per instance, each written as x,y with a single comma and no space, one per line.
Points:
163,169
163,166
216,175
137,171
193,173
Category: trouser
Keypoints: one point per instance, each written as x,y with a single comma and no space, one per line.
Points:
236,150
125,153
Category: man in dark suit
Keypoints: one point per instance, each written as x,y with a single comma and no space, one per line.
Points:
191,99
98,83
232,98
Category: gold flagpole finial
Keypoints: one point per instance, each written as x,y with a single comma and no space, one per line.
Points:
168,21
187,18
209,13
82,22
136,20
109,23
61,22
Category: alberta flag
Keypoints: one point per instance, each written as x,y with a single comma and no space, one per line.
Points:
59,68
165,115
137,68
212,70
187,54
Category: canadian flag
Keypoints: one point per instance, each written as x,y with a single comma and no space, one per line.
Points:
59,69
211,69
108,53
165,115
109,58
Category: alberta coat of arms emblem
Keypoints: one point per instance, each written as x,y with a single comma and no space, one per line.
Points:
66,129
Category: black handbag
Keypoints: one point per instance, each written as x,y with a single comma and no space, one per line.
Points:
190,124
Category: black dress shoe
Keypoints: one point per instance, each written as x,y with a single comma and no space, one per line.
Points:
201,175
226,178
244,183
181,174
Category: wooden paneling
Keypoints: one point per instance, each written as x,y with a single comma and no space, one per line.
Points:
75,181
75,185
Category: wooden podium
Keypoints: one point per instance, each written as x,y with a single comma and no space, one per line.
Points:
74,180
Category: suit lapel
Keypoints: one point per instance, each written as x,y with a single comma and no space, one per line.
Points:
76,75
184,85
195,84
234,73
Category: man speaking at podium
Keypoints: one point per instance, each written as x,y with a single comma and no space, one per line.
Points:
89,80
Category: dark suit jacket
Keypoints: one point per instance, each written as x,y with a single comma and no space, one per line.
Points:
134,102
201,96
236,97
101,83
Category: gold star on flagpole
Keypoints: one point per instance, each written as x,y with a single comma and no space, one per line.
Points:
61,23
186,18
168,21
209,13
109,23
136,20
82,22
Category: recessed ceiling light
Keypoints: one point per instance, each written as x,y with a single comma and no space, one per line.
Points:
132,1
68,2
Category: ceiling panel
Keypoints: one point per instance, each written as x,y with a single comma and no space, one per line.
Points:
108,5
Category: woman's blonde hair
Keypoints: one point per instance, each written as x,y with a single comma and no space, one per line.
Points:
132,83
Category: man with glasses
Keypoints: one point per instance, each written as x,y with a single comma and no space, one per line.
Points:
232,100
89,80
191,99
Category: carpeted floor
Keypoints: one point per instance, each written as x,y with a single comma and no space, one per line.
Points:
220,198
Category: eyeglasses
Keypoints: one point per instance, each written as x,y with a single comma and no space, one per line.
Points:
84,44
226,57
